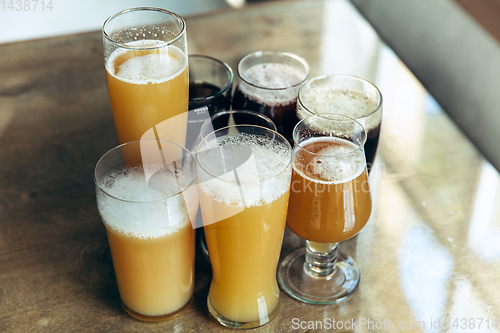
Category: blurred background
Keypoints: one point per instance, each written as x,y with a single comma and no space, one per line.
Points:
66,17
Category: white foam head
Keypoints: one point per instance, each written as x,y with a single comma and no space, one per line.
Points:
162,65
331,99
243,170
133,208
338,163
281,81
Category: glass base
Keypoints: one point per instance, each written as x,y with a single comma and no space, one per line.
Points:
297,282
142,317
236,324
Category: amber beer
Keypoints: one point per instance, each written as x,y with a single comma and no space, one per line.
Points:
150,234
336,189
329,203
244,213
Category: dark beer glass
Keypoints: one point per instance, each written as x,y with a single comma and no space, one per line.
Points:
210,91
235,117
269,84
348,95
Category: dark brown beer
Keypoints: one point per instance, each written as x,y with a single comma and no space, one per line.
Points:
283,116
352,103
203,94
271,89
371,144
205,99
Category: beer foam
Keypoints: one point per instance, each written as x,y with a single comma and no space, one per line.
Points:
251,170
152,213
272,76
338,163
349,102
162,65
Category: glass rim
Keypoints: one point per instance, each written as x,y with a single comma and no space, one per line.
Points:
220,113
359,78
150,201
262,53
222,90
140,48
290,149
361,146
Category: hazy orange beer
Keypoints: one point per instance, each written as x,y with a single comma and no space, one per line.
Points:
147,211
244,175
146,62
244,250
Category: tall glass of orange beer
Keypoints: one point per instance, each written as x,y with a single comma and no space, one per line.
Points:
329,203
148,211
244,183
145,55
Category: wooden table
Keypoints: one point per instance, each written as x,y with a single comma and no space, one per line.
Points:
431,249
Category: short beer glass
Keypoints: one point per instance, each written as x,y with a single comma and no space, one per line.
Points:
244,181
348,95
147,208
269,84
329,203
234,117
145,56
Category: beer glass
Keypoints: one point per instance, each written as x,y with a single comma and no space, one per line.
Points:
329,203
224,119
235,117
349,95
210,91
145,56
244,184
147,210
269,84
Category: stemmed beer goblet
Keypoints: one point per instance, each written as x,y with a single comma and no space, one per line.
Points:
329,203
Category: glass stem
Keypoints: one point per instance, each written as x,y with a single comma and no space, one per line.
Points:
320,258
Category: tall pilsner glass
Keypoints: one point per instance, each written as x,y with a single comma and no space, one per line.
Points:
244,177
329,203
223,119
145,55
